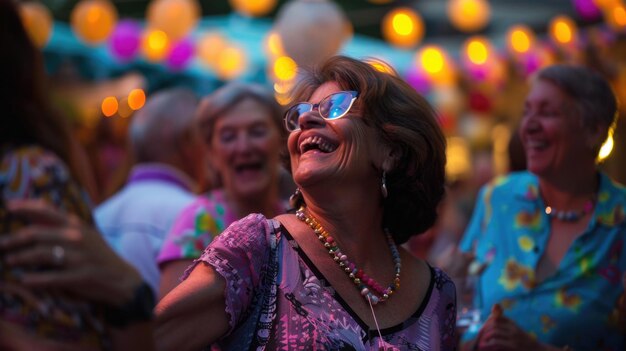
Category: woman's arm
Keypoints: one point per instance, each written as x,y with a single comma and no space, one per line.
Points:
171,272
193,315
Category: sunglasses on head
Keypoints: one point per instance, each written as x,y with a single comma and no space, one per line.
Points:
334,106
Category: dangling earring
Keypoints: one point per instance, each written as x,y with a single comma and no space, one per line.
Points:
383,187
294,199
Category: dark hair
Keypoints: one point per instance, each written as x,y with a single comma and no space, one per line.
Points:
406,122
590,92
27,114
231,94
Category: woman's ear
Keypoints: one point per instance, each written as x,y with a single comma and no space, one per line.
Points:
391,156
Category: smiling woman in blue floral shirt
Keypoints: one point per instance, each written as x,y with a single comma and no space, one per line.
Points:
554,238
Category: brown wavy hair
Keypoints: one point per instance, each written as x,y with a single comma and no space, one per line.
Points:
28,117
406,122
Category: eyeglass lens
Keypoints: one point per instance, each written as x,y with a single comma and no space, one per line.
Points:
332,107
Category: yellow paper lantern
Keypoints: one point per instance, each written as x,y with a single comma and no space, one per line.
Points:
403,27
155,45
562,30
253,8
231,63
468,15
208,48
93,20
37,21
176,18
520,39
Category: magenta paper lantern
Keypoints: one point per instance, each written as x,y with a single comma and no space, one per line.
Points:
125,40
587,9
418,80
181,53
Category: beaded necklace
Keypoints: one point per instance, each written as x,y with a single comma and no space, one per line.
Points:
370,289
569,216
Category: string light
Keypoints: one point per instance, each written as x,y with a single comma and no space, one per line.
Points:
136,99
520,39
285,68
562,30
109,106
403,27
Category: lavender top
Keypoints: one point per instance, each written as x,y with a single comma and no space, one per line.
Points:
278,300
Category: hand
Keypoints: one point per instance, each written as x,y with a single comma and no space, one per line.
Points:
502,334
71,255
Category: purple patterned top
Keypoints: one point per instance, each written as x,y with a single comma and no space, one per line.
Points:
278,300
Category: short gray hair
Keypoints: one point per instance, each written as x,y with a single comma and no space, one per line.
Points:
590,92
165,121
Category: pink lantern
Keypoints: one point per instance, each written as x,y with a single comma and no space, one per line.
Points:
418,79
125,40
587,9
181,53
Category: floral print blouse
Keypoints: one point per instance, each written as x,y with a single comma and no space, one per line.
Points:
278,300
197,225
577,306
31,172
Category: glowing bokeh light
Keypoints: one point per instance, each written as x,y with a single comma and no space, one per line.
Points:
174,17
208,48
606,4
477,50
562,30
136,99
93,21
180,54
285,68
231,63
469,15
432,60
125,39
403,27
606,148
274,44
253,8
520,39
155,45
615,16
37,21
109,106
382,67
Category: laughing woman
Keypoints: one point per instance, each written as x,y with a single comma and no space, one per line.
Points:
368,157
241,124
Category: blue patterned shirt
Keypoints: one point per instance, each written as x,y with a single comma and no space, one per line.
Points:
577,305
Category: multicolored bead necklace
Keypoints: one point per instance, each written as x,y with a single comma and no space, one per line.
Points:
569,216
368,287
